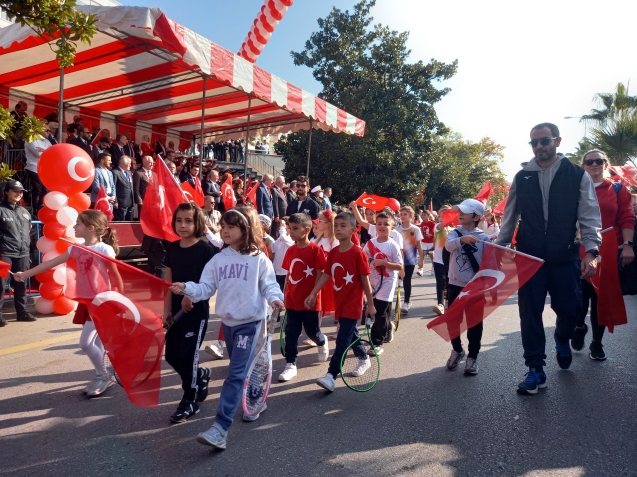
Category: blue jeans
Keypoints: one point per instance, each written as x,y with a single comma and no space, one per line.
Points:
562,282
241,342
347,334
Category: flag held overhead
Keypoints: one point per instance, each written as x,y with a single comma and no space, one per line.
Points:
373,202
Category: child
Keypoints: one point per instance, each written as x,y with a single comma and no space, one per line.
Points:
371,228
304,262
266,223
441,269
279,247
324,237
246,282
350,273
465,244
185,261
91,226
412,241
383,252
427,228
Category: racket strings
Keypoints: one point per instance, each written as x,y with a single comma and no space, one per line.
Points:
360,373
257,382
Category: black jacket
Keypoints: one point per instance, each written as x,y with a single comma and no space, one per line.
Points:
123,188
279,203
308,206
15,228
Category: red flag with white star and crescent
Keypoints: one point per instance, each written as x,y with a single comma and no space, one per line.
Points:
229,200
502,272
371,201
102,204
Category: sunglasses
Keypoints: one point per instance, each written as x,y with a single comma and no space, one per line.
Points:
544,141
590,162
303,186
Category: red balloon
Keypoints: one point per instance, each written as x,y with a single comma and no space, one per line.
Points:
80,201
393,204
53,230
45,276
63,306
50,291
66,168
61,246
47,215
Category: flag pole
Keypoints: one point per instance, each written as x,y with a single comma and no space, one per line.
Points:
514,251
309,149
245,155
203,117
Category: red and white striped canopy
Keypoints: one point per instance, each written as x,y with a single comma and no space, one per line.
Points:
144,74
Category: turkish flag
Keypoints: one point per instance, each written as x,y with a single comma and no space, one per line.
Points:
450,218
627,174
252,194
5,268
163,195
502,272
431,206
102,204
128,321
485,192
192,194
229,200
377,254
371,201
611,309
499,209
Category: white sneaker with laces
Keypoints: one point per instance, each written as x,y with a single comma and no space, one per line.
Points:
420,272
288,373
213,438
405,307
323,351
328,382
215,350
363,366
98,386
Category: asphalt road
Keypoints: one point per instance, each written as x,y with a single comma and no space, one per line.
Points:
420,420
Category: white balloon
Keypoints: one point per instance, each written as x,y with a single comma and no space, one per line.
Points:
59,276
56,200
44,306
45,245
67,216
70,232
50,255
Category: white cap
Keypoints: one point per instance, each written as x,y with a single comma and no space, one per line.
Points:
316,189
265,219
470,206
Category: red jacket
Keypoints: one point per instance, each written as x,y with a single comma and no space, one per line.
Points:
615,208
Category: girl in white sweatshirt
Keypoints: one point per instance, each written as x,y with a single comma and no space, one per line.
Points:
246,282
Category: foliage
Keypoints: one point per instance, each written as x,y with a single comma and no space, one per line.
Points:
583,146
31,128
6,174
54,20
364,69
7,123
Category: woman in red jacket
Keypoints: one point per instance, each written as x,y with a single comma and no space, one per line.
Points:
614,205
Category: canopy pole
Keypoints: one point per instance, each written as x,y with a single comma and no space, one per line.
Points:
245,152
309,150
203,116
61,107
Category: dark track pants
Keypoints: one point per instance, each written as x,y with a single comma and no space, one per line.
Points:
295,321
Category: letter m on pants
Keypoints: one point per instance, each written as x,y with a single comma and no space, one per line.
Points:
242,342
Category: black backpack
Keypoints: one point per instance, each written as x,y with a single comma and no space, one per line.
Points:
446,256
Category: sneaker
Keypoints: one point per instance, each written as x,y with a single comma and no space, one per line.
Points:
363,366
577,342
310,343
328,382
3,322
534,380
563,352
470,367
202,384
405,307
596,351
379,350
390,333
454,359
26,317
215,350
185,410
431,272
324,351
213,438
247,418
288,373
98,386
420,272
439,309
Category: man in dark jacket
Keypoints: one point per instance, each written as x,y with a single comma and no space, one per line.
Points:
303,203
83,141
264,199
125,199
554,202
279,205
15,239
290,195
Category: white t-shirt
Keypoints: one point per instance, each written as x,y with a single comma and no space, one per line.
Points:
32,153
325,244
412,236
388,251
394,235
279,247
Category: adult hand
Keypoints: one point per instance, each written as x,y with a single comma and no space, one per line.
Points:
589,266
627,256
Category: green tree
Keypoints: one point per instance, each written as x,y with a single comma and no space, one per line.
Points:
583,146
364,69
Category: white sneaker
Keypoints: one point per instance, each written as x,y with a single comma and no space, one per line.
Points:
431,272
405,307
323,351
215,350
98,386
328,382
420,272
288,373
363,366
439,309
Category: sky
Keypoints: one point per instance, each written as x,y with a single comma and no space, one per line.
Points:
519,63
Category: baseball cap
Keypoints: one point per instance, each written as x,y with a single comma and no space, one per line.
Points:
14,185
265,219
470,206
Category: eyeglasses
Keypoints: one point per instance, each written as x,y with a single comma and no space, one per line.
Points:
303,186
590,162
544,141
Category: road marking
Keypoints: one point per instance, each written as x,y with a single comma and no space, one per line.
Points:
40,344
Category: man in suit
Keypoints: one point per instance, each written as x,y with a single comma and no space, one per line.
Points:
125,199
141,178
160,148
83,141
192,177
103,177
279,205
290,195
119,149
264,199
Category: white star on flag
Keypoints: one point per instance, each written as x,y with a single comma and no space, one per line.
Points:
348,278
308,271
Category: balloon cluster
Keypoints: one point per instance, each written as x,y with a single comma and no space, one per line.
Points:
67,171
267,19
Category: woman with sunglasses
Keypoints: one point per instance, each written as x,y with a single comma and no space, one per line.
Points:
614,205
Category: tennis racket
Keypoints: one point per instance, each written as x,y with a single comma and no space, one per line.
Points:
395,313
257,384
360,372
282,333
376,276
